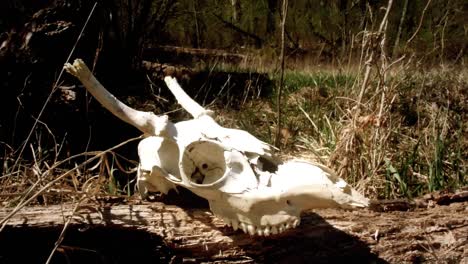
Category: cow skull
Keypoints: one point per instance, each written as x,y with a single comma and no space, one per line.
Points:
244,183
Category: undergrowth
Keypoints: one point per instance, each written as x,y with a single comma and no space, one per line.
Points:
417,145
390,127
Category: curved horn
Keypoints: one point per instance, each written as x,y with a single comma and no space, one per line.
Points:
184,100
146,122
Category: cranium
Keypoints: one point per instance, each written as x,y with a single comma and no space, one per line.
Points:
244,183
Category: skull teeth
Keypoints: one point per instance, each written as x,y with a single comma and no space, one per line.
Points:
251,229
262,230
259,232
281,228
227,221
274,230
296,222
235,225
243,227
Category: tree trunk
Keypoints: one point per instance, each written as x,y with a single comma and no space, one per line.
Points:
166,233
271,24
396,46
284,15
236,11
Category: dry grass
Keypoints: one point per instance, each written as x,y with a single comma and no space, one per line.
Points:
394,127
404,136
407,139
76,179
83,175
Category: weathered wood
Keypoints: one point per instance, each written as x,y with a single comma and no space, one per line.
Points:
434,235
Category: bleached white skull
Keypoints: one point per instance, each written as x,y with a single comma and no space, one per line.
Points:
237,173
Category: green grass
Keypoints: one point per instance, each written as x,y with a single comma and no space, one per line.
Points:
401,157
294,80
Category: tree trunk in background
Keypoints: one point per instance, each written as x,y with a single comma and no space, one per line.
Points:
279,106
36,41
196,40
363,9
400,28
127,26
236,11
343,6
271,23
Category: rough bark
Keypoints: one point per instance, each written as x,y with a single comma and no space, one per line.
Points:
172,234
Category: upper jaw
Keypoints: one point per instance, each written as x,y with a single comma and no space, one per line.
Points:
269,211
264,217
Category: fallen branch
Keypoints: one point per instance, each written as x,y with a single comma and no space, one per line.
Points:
326,236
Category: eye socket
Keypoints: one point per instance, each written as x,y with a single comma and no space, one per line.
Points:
203,163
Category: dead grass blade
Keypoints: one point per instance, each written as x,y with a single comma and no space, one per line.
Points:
25,201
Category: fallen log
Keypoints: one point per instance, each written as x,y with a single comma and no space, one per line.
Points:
136,231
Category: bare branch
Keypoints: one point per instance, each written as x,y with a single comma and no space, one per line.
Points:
420,23
284,14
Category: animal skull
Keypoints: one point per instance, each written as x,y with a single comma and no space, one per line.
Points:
244,183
